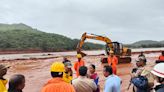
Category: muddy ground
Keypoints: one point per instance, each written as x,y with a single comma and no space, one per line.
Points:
37,71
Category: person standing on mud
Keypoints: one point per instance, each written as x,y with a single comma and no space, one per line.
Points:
161,57
68,74
3,81
113,61
140,63
57,84
93,75
82,83
78,64
16,83
143,71
65,60
113,82
142,56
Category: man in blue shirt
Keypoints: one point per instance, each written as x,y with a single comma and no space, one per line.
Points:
113,82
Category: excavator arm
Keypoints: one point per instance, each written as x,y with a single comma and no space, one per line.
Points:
95,37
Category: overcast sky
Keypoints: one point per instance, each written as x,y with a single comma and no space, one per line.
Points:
125,21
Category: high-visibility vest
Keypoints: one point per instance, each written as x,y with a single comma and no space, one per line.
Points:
113,61
3,85
77,65
67,77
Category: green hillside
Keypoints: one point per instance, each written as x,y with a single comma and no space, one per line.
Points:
147,44
23,37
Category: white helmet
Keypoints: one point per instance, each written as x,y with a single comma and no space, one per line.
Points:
158,70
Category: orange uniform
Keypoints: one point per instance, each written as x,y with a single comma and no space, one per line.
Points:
113,61
77,65
161,58
58,85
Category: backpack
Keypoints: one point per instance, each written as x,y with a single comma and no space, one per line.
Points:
141,82
159,88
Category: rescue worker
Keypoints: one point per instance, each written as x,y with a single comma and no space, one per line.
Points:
142,56
16,83
113,61
82,83
65,60
158,72
68,74
3,81
78,64
57,84
161,58
113,82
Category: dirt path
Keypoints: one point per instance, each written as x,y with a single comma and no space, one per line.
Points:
37,71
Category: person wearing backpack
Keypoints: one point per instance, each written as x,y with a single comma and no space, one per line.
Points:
158,72
140,82
140,63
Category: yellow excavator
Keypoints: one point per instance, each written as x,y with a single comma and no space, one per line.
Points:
123,54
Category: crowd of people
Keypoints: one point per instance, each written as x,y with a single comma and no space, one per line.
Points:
148,79
143,77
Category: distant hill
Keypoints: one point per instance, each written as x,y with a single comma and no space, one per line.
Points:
20,26
23,37
162,42
147,44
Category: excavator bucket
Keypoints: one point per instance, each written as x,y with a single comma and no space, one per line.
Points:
82,53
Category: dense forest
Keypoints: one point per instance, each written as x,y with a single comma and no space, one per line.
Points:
23,37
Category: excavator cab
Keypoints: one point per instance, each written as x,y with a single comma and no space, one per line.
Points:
123,54
117,48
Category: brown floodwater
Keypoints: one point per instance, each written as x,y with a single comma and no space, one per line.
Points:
37,71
